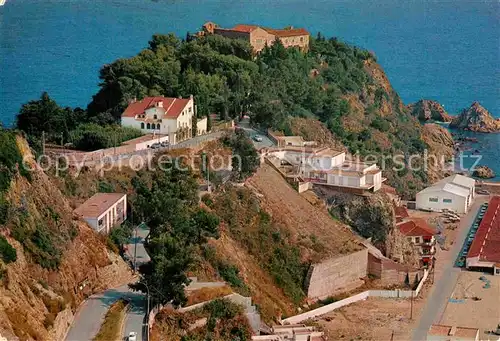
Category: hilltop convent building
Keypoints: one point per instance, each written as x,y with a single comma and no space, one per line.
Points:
260,37
172,117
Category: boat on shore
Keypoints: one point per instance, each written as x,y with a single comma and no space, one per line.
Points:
2,2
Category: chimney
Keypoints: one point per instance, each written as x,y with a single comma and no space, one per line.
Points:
191,97
159,104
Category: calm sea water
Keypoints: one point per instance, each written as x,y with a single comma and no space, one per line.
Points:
443,50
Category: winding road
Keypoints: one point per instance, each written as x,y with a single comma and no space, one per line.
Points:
90,315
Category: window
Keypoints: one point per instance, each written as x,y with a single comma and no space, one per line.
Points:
155,117
189,109
409,239
498,271
417,240
258,41
158,126
148,126
100,222
447,201
142,125
301,39
433,199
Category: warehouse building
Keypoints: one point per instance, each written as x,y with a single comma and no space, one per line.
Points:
454,193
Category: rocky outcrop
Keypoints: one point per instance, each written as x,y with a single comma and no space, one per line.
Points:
476,118
440,150
483,172
427,110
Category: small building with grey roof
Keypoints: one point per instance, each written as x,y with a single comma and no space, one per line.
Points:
103,211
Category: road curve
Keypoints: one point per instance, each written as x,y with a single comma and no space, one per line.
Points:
91,314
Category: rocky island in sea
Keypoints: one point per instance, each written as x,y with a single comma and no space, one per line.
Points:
428,110
477,119
483,172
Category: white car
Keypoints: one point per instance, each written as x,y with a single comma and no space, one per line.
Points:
257,138
132,336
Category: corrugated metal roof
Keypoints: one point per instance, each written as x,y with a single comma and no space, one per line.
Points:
446,187
459,180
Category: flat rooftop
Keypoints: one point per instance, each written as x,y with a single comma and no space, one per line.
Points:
486,243
98,204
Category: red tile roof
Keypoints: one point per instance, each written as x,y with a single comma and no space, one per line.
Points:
244,28
401,211
293,32
416,228
486,243
173,106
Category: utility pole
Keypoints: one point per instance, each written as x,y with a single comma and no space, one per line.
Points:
135,251
43,142
411,306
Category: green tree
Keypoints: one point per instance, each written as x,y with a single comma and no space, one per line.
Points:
44,115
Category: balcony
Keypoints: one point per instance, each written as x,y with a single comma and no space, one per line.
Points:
426,242
427,251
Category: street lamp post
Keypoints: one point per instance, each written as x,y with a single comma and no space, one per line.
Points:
147,312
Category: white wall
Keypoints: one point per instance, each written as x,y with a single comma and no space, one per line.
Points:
201,125
109,218
458,202
147,144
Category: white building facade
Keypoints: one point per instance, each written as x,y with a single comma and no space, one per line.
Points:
454,193
329,167
172,117
103,211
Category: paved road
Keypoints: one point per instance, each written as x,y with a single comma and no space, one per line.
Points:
266,142
139,250
91,314
444,285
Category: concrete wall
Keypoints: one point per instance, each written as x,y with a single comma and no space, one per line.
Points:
201,126
335,274
361,296
146,144
304,186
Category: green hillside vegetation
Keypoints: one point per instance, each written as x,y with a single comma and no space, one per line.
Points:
277,84
338,84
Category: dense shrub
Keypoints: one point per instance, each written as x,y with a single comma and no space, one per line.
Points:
92,136
7,252
253,228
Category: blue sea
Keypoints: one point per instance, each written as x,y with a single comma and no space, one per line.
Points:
447,50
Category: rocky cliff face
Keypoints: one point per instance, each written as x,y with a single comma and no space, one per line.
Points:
427,110
476,118
440,150
60,261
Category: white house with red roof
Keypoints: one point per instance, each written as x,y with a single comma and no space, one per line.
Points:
172,117
421,236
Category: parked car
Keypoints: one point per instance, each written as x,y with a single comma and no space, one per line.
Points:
165,144
155,145
132,336
257,138
483,191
